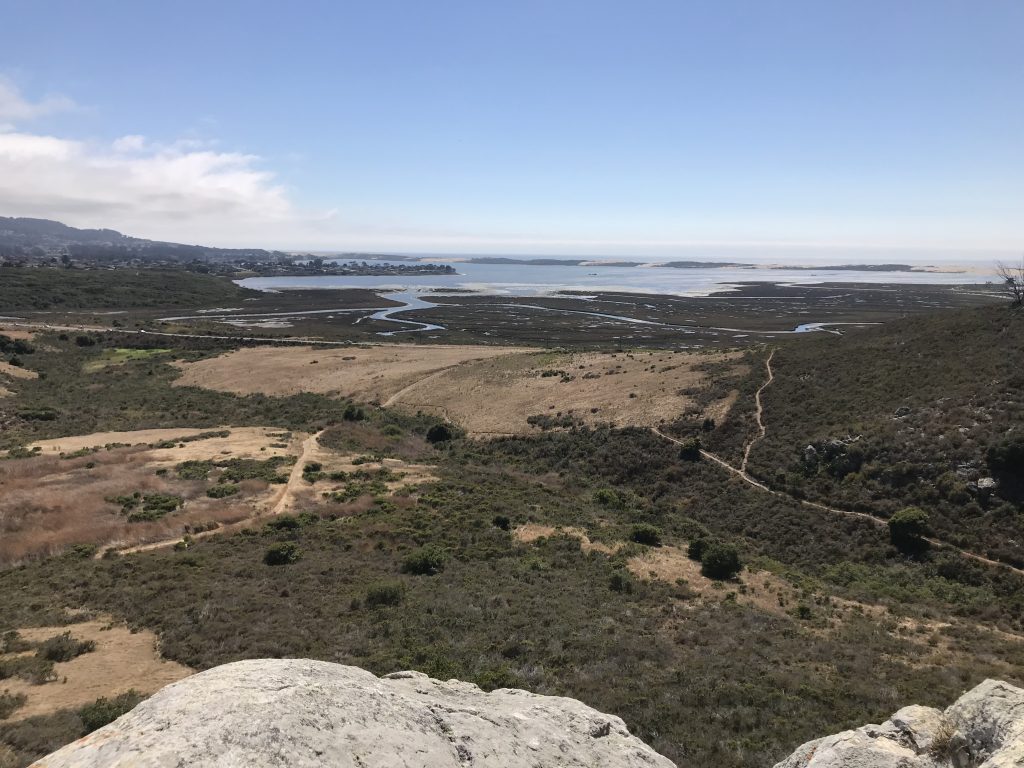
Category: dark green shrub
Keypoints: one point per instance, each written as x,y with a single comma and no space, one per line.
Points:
425,561
33,669
12,642
222,491
64,648
439,433
907,529
501,521
1007,458
620,581
194,470
9,702
155,506
388,593
283,523
282,553
720,561
353,413
647,534
695,549
104,711
689,449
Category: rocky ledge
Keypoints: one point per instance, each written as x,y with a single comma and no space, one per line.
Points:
983,729
300,713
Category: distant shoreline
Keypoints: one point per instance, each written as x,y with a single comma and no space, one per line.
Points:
676,264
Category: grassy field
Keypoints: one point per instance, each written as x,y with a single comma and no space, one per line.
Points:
119,356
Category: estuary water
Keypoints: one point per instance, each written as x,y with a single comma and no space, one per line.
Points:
538,280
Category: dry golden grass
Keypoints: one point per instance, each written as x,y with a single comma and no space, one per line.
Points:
123,660
74,443
367,373
497,396
15,372
486,390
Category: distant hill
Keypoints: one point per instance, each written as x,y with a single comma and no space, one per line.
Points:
35,239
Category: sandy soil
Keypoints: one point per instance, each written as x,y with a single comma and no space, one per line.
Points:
299,491
369,374
123,660
15,372
16,333
531,532
99,439
486,390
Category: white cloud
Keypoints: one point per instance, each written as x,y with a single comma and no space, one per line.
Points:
15,108
131,143
185,191
166,192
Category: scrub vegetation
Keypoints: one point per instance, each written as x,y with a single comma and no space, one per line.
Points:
725,624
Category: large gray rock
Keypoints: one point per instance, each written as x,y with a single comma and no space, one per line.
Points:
984,728
300,713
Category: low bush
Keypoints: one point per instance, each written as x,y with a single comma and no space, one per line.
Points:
104,711
425,561
647,534
388,593
689,449
439,433
282,553
695,549
64,647
222,490
907,529
9,702
720,561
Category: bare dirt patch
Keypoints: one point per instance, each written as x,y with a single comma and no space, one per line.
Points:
16,372
16,333
530,532
123,660
367,373
74,443
49,503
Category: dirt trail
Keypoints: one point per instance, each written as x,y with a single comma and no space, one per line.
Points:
281,504
879,521
309,448
761,429
429,377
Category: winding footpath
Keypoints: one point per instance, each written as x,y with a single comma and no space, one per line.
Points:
742,474
759,413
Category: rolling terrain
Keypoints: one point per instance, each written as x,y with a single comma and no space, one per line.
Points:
360,509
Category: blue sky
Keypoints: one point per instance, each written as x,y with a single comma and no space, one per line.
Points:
788,128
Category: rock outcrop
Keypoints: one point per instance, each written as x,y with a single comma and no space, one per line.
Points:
983,729
300,713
